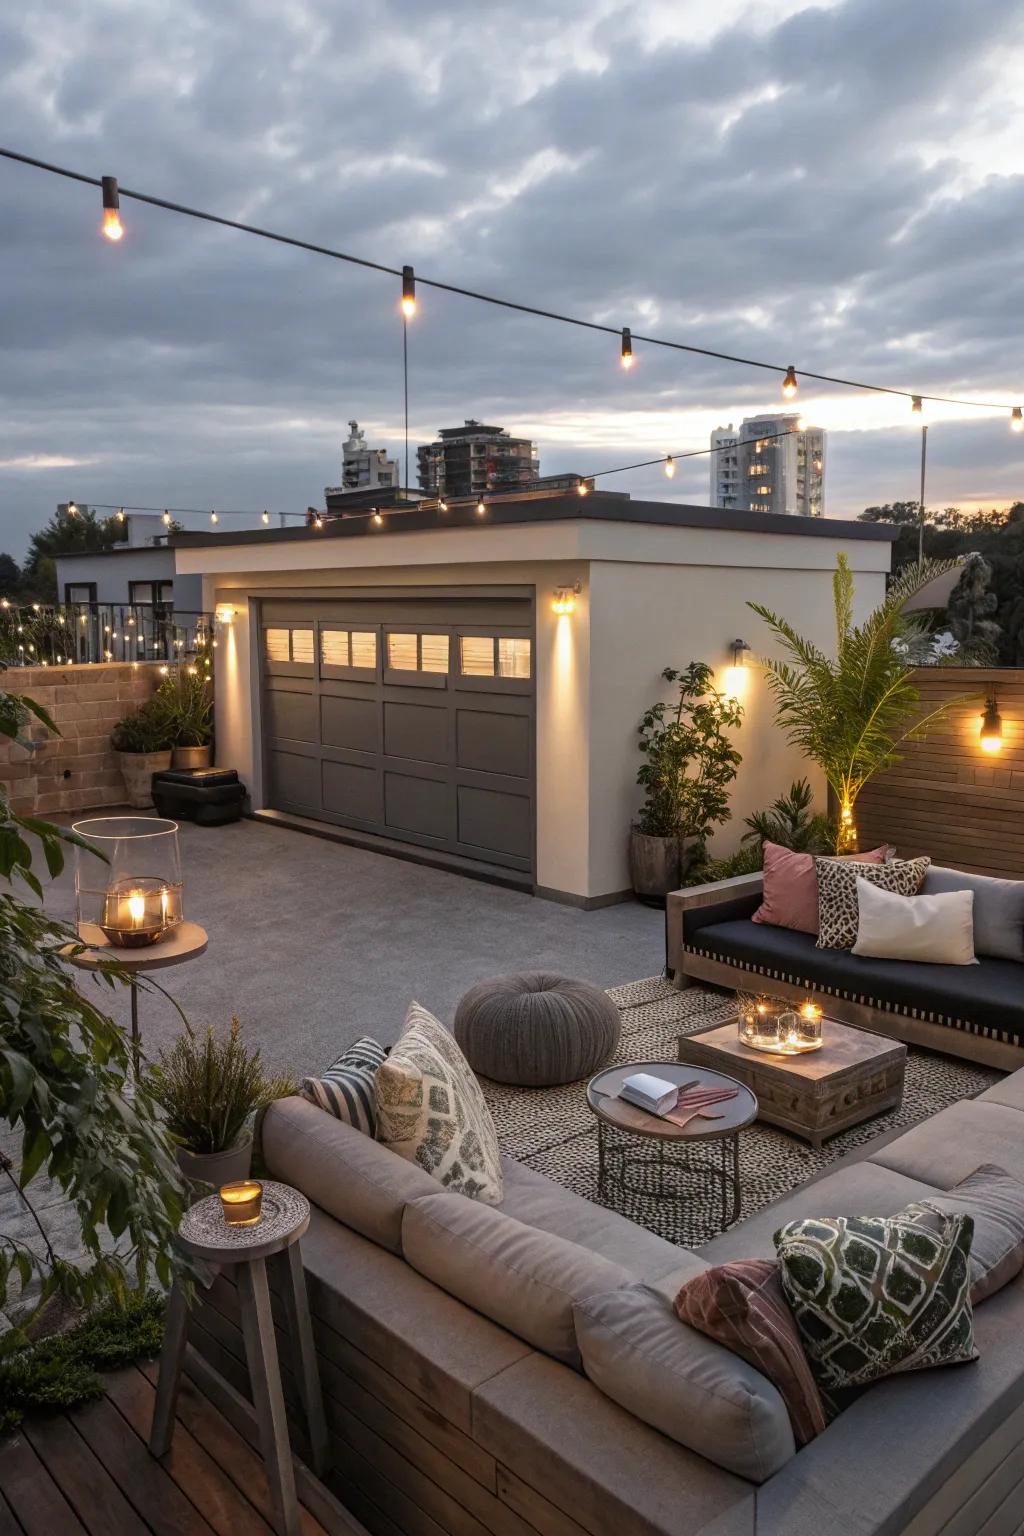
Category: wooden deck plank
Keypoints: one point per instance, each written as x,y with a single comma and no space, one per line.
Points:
149,1487
8,1525
35,1500
239,1460
84,1482
221,1503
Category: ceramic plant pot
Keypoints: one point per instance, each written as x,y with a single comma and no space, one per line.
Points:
218,1168
192,757
137,770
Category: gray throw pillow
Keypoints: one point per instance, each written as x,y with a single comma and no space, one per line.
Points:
994,1199
838,908
998,909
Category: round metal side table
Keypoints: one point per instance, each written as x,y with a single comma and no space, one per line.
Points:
205,1235
616,1157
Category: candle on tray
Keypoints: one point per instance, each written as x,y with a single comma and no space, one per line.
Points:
241,1202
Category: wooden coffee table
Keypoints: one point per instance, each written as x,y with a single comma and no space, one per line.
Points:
617,1157
854,1076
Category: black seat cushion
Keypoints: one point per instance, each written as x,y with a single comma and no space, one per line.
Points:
985,999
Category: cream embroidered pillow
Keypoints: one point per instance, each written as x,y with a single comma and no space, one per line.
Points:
430,1110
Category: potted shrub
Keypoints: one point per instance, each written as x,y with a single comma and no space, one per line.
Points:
188,700
208,1088
143,743
689,762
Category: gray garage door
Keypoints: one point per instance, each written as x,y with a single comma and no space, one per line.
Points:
412,718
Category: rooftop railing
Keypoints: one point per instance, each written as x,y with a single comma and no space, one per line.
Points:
63,634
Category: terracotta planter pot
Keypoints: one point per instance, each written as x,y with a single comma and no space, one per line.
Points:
218,1168
192,757
137,769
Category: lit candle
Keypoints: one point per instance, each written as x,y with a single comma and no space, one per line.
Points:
811,1012
241,1202
139,911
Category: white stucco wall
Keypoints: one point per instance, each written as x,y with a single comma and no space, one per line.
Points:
114,570
651,597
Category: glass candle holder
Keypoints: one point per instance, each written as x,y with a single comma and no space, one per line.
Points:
128,883
758,1022
242,1202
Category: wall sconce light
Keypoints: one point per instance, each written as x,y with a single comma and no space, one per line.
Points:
992,727
224,613
565,599
740,651
735,678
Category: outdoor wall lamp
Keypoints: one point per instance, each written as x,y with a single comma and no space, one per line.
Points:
740,651
991,727
565,599
224,613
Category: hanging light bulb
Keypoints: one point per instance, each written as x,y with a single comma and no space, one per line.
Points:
119,514
670,467
627,348
265,518
916,405
408,292
480,507
112,227
442,505
378,520
214,518
72,509
789,384
167,518
1016,420
318,521
582,488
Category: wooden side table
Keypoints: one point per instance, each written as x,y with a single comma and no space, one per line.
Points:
185,942
205,1235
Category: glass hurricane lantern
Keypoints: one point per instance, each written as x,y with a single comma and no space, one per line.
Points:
128,882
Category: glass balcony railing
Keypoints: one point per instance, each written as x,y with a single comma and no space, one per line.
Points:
76,634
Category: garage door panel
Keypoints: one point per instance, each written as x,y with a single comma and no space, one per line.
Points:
291,716
350,723
353,789
495,821
294,780
493,743
414,804
420,732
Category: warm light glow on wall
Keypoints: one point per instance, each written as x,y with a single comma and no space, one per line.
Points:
565,600
224,613
734,683
991,736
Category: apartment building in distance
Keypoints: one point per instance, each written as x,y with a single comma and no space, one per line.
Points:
771,464
475,458
362,468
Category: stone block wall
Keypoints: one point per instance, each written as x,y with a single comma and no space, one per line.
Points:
77,770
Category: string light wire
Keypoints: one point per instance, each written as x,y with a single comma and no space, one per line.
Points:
788,371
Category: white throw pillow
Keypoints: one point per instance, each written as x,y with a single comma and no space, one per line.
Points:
939,929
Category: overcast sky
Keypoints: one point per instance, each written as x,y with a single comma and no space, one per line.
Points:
839,186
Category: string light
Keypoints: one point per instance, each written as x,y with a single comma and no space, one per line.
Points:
915,405
72,509
377,518
265,518
167,518
408,292
112,227
214,518
670,466
480,507
582,488
789,384
119,514
1016,420
442,505
318,521
627,348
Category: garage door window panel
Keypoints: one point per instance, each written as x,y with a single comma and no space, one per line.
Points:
348,653
288,650
416,658
495,662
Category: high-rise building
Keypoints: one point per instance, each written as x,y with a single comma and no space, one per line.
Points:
362,468
473,459
769,465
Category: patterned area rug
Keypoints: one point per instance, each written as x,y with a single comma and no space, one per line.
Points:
553,1131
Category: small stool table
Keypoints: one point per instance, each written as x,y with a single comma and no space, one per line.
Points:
185,942
205,1235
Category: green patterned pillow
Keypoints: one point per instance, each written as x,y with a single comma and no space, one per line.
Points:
873,1295
430,1110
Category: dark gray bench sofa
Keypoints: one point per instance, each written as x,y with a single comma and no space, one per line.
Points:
974,1011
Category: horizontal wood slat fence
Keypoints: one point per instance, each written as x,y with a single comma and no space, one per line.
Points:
947,798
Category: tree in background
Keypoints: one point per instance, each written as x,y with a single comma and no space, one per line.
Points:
10,576
81,533
971,606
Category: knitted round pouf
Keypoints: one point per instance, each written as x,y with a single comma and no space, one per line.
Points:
536,1029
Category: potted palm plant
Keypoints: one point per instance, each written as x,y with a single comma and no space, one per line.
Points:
209,1087
689,762
852,712
143,742
186,695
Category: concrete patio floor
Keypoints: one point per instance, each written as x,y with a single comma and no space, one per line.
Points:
313,943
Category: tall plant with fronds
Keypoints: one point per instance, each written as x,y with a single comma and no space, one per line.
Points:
854,711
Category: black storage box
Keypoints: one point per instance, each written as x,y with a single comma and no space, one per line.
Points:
207,796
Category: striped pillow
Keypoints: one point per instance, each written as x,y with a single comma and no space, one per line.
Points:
346,1089
743,1307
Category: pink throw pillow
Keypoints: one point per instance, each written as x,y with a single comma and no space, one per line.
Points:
790,898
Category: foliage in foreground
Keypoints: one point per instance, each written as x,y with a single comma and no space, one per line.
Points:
64,1064
61,1371
208,1086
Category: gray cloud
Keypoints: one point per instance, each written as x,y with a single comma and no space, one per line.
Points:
807,188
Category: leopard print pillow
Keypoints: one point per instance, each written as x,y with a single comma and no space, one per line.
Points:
838,912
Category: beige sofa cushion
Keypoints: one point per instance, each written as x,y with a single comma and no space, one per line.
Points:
639,1354
341,1170
523,1278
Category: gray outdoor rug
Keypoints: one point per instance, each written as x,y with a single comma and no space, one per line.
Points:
553,1131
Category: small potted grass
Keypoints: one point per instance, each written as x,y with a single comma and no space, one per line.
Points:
210,1087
